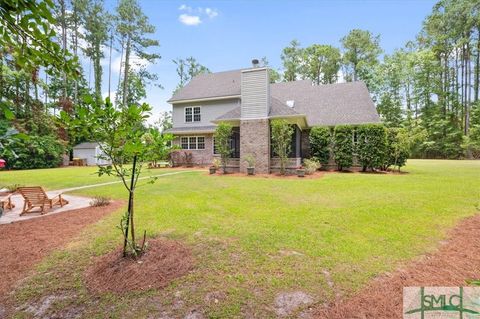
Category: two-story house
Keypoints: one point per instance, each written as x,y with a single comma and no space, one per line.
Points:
246,99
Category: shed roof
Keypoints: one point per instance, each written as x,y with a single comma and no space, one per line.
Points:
86,145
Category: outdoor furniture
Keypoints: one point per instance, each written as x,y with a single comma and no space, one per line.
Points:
6,202
36,196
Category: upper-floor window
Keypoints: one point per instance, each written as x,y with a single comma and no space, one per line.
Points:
192,114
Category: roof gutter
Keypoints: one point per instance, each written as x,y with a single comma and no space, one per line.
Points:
191,132
226,97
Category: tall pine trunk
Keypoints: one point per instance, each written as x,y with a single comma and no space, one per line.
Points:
125,78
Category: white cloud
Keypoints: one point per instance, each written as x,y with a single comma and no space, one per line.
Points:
190,20
211,13
184,7
194,16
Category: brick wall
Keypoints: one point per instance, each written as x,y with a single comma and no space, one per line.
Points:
199,157
255,140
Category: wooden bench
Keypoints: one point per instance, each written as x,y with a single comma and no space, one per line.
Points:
37,197
6,202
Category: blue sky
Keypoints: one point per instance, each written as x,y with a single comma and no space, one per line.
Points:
225,35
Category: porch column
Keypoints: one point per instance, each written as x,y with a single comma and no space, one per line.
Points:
255,141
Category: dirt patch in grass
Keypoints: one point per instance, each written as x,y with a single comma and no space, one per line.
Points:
457,260
163,261
23,244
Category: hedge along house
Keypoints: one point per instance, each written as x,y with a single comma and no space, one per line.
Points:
247,100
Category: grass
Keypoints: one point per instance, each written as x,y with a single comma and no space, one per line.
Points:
59,178
253,238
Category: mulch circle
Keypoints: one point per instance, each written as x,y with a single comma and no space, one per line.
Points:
163,261
456,261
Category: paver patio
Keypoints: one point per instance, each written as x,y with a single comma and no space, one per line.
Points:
11,216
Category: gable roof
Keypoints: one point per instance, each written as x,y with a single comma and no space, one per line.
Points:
323,105
329,104
210,85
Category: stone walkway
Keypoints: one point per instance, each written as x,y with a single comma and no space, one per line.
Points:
75,202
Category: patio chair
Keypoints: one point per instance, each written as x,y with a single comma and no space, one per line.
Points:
36,196
6,202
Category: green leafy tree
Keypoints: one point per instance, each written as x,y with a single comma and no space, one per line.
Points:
132,25
361,51
273,75
471,143
282,133
187,69
343,146
397,148
320,143
223,136
321,63
160,145
165,121
292,60
126,144
96,22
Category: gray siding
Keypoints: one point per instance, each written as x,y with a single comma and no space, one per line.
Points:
255,94
209,111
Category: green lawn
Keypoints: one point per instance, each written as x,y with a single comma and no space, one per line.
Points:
349,226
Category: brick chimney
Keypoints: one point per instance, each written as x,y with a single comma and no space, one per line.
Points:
254,123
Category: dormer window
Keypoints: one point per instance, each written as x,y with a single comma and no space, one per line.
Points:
192,114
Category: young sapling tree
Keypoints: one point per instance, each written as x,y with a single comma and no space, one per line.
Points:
125,143
223,135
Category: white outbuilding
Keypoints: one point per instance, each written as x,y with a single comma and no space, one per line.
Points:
91,152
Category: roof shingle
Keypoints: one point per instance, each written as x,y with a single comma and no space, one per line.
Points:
329,104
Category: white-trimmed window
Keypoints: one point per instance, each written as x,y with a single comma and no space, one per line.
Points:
192,114
192,142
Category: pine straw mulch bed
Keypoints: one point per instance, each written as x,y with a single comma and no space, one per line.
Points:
163,261
317,174
24,244
457,260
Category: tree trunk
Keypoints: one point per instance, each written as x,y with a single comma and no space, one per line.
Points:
477,68
63,23
97,68
130,209
125,78
75,47
110,66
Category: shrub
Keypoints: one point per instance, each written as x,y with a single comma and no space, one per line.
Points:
281,141
216,163
320,140
397,147
343,147
250,160
188,159
471,143
311,166
372,144
223,135
34,152
99,201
